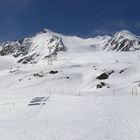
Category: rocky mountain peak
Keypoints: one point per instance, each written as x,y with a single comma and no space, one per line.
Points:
123,41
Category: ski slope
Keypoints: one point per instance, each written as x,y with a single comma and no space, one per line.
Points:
67,100
74,118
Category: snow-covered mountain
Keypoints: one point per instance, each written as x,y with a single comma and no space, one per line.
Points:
33,49
75,56
47,43
123,41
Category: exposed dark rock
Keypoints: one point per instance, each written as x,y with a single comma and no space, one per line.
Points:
110,72
27,59
101,85
121,71
38,75
123,41
9,49
25,49
103,76
53,72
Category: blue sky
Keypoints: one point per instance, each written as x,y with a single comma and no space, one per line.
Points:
85,18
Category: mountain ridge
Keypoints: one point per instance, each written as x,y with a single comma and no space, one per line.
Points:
47,43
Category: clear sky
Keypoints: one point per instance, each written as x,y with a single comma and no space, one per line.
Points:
22,18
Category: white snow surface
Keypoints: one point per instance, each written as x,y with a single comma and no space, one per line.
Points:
76,109
127,34
75,43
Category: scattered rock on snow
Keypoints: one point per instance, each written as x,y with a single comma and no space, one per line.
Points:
38,75
101,85
13,71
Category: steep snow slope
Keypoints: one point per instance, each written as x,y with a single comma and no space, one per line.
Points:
77,44
33,49
48,43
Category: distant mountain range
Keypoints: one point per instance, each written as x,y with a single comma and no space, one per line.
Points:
48,43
